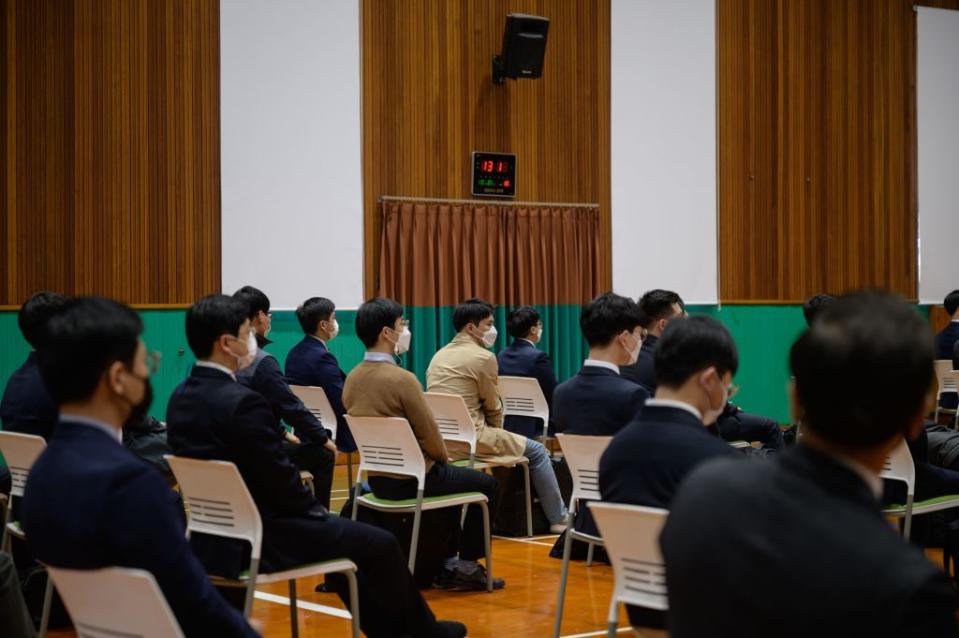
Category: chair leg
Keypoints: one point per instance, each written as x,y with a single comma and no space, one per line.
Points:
529,501
417,515
356,500
489,547
47,602
251,587
354,602
349,471
294,625
589,554
563,574
613,623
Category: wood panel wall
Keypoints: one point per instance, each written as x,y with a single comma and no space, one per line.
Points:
110,150
817,147
428,101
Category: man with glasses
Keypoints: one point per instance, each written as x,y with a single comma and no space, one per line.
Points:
523,359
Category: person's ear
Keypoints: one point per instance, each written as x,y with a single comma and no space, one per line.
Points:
796,411
916,426
114,378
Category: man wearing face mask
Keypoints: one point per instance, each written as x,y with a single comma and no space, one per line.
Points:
467,368
598,401
311,363
89,502
647,460
309,445
523,359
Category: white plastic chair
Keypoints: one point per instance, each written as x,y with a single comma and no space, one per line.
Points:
92,599
582,454
316,401
522,396
900,467
387,445
20,452
947,385
454,422
631,536
218,503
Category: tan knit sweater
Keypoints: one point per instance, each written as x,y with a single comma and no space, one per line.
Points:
376,388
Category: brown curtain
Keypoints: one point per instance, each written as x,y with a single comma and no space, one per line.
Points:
437,254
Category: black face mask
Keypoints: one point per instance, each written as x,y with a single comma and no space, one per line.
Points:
139,410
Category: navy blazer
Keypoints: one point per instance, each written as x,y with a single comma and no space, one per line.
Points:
800,522
645,463
643,371
90,503
596,401
523,359
26,406
310,362
946,341
266,378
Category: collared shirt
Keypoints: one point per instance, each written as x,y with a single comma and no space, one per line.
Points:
379,357
670,403
216,366
112,432
317,338
528,341
868,476
602,364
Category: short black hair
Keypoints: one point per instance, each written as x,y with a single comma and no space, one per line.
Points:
312,311
691,345
212,317
80,343
35,312
863,369
521,320
373,316
254,298
608,315
951,302
658,304
471,311
815,305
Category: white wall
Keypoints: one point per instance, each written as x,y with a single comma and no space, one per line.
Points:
664,147
938,96
292,222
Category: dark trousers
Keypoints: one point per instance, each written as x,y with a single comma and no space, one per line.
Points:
750,427
470,542
318,461
15,620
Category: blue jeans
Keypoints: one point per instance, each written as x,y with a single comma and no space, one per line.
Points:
544,480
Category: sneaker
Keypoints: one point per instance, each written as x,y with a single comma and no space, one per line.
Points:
560,527
449,629
459,580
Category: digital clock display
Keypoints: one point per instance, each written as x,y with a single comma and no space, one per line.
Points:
494,174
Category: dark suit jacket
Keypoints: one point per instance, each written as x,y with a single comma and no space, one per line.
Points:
523,359
311,363
211,416
89,503
955,356
266,378
26,406
946,341
643,372
649,458
596,401
803,523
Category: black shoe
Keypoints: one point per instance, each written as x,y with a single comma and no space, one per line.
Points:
449,629
457,580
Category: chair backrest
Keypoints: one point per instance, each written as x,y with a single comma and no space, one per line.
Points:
899,467
217,500
387,444
582,454
631,537
314,398
947,382
522,396
453,418
20,452
115,601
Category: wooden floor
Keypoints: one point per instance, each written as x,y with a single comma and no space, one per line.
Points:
525,607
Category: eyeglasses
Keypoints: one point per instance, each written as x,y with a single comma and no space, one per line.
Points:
153,361
643,333
405,323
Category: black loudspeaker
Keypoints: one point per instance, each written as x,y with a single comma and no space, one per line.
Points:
524,45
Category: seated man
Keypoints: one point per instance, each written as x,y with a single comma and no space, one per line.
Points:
211,416
523,359
467,368
814,306
948,337
309,444
26,406
379,387
649,458
89,502
598,401
311,363
808,521
658,308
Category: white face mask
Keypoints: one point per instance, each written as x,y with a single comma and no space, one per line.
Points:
245,361
489,337
711,415
403,343
634,353
536,335
334,329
